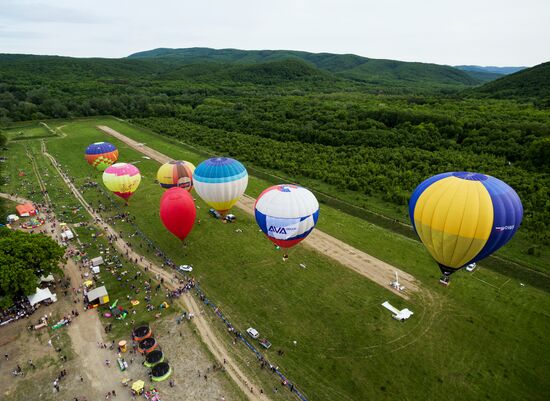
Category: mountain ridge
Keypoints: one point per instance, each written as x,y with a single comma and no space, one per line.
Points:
350,66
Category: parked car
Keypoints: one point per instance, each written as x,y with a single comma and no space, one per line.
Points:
471,267
215,213
230,218
185,268
252,332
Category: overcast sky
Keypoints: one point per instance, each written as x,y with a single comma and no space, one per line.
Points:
482,32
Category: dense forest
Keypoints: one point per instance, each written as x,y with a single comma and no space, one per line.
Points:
302,116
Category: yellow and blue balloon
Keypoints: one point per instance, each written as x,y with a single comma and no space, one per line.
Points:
463,217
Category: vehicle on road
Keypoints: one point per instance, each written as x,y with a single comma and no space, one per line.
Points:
185,268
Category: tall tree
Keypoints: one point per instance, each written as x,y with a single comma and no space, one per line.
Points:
23,259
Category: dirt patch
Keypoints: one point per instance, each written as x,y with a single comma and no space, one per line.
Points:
374,269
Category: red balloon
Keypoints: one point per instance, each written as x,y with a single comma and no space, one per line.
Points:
178,212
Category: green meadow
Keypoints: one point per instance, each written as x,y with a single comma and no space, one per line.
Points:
484,337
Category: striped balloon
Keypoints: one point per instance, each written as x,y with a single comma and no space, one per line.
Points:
176,173
101,155
463,217
286,214
220,182
122,179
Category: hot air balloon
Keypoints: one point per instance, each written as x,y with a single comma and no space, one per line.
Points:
176,173
286,214
220,182
178,212
101,155
463,217
122,179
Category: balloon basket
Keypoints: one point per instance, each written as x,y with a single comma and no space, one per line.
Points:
445,280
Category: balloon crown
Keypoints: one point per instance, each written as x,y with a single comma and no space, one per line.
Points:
466,175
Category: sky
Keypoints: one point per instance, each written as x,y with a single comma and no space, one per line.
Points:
480,32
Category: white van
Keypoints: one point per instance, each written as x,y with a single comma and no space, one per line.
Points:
252,332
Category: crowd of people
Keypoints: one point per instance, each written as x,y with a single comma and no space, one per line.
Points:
21,309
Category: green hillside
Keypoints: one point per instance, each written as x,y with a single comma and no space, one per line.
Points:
483,76
387,73
532,84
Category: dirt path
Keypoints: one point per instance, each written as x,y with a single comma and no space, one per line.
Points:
372,268
207,334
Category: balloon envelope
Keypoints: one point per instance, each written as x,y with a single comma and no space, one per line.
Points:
220,182
286,214
176,173
101,155
178,212
463,217
122,179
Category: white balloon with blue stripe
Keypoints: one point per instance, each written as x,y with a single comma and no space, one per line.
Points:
220,182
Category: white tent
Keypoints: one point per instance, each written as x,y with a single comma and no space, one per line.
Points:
48,279
98,295
97,261
95,269
12,217
41,295
67,235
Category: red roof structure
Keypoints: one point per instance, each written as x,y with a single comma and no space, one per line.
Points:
26,210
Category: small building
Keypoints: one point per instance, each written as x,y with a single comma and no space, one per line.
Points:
67,234
98,296
97,261
26,210
41,295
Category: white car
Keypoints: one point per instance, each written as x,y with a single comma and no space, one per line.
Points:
185,268
471,267
253,332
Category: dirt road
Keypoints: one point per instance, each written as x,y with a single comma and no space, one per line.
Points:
207,334
372,268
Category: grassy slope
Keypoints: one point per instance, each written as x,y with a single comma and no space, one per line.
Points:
469,341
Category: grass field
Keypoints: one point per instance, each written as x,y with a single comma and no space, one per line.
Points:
484,337
28,131
121,289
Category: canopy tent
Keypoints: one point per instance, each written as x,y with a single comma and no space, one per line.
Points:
97,261
95,269
41,295
138,386
11,218
67,234
48,279
98,296
26,210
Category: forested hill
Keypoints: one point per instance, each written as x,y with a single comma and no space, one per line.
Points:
490,69
16,68
532,84
383,73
